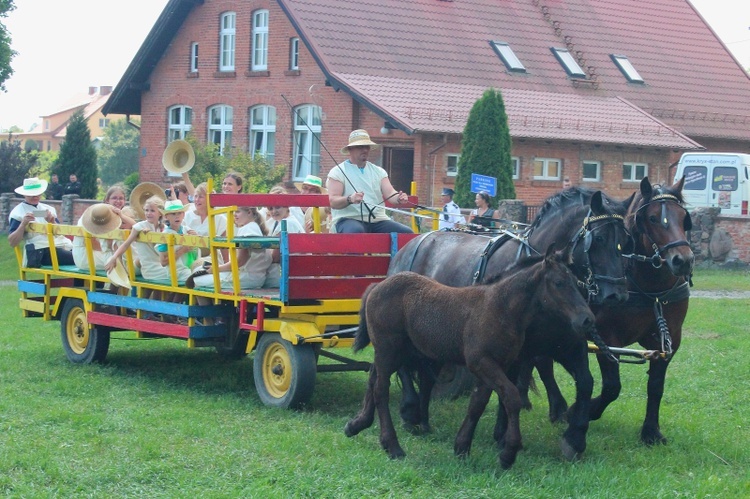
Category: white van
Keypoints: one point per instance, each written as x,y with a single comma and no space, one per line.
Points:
716,180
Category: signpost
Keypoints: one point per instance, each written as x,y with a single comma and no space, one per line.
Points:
483,183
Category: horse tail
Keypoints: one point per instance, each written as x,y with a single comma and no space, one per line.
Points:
362,337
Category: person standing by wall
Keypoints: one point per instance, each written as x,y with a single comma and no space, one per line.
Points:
55,188
74,186
451,212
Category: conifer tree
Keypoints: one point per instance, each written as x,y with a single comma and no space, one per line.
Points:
77,155
485,149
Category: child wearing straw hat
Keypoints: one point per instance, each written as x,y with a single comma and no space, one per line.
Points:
37,252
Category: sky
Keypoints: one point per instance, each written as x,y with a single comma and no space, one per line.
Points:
97,39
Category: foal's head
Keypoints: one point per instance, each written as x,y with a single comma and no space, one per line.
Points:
553,289
658,221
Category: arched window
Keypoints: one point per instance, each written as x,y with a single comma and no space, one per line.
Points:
306,147
220,120
180,122
263,132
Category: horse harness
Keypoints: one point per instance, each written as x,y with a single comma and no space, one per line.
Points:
677,293
586,234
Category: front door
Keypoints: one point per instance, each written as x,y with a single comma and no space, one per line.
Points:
399,163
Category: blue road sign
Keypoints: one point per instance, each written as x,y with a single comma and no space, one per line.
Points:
483,183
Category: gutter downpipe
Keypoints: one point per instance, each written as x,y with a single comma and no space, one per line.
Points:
434,161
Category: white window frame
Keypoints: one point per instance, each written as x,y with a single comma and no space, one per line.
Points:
546,162
626,67
103,122
568,62
179,128
509,58
294,54
263,130
260,40
633,177
515,163
449,171
227,41
307,121
220,122
597,165
194,57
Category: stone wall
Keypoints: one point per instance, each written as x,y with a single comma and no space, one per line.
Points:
720,240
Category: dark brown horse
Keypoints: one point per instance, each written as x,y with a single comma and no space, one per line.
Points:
482,327
594,225
658,273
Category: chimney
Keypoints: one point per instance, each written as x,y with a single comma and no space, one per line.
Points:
92,90
105,90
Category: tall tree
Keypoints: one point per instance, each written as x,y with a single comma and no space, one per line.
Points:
77,155
485,149
15,164
118,155
6,53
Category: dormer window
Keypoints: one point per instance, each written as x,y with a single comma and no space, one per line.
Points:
627,68
508,57
568,62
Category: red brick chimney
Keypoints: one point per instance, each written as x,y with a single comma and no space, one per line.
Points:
92,90
105,90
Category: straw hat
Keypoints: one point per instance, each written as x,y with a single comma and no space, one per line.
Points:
174,206
32,187
119,276
314,181
178,157
100,219
358,138
141,193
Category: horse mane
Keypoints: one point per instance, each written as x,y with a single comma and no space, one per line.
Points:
574,196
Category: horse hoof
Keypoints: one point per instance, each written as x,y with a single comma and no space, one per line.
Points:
397,454
349,429
506,461
569,452
657,439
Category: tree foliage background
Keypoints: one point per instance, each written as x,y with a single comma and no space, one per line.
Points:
118,155
78,155
259,175
15,164
485,149
6,53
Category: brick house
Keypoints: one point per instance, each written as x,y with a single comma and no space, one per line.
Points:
602,92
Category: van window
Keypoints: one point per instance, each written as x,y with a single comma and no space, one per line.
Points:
695,178
725,179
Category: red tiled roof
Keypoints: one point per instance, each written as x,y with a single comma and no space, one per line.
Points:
444,107
434,49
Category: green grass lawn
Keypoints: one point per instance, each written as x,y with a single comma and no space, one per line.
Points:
160,420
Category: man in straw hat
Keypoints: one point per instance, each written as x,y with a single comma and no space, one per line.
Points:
37,251
358,189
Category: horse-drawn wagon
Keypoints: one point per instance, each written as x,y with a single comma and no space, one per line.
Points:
314,310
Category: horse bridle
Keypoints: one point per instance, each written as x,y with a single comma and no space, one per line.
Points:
656,259
586,234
